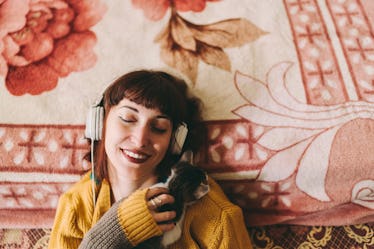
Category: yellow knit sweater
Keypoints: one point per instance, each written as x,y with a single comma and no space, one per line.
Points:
213,222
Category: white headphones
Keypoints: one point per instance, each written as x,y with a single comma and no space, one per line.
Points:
94,128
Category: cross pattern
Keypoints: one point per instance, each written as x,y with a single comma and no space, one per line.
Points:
361,50
74,147
321,73
15,196
30,145
370,91
300,4
310,35
348,14
274,196
18,196
247,141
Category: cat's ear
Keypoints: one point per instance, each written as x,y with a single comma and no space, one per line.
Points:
205,181
173,171
202,190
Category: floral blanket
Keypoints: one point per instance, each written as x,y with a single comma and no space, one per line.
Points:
287,85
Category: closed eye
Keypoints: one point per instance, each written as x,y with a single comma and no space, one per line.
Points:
125,120
159,130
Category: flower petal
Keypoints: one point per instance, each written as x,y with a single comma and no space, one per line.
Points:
267,118
153,9
88,13
313,167
283,164
3,66
33,79
363,194
281,138
10,52
190,5
40,47
253,90
12,16
73,53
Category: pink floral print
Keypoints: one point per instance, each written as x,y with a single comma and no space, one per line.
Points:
43,40
156,9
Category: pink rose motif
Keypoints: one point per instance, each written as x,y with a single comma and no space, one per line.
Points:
43,40
156,9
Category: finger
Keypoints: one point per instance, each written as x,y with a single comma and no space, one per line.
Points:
166,227
160,200
153,192
164,199
152,205
164,217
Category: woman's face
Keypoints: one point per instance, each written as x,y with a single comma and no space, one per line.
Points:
136,139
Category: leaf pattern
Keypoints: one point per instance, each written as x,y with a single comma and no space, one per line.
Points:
181,34
215,56
183,60
183,44
227,33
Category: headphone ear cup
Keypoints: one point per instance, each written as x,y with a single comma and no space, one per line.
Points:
180,135
94,123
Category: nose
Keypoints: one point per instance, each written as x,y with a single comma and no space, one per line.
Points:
141,135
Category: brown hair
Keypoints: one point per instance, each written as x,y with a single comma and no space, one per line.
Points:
153,89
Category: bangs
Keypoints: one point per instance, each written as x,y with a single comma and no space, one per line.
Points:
159,91
154,91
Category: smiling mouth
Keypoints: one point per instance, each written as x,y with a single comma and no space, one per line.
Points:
135,157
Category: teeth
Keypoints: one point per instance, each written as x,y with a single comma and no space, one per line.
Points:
134,155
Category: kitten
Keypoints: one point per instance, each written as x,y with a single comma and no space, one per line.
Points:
187,183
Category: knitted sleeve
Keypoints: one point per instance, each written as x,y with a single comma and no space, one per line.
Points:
127,223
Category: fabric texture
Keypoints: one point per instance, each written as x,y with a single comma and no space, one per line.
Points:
288,94
212,222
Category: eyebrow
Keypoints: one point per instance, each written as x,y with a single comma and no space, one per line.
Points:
137,111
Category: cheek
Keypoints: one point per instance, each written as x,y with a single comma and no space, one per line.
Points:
109,134
112,132
163,144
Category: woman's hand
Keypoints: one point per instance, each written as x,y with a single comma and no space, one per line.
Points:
156,197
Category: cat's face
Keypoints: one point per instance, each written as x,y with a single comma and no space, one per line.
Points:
190,179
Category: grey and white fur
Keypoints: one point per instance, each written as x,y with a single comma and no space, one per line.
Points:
186,183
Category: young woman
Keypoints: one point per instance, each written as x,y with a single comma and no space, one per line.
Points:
117,208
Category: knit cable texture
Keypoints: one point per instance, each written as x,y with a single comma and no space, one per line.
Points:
136,219
107,233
